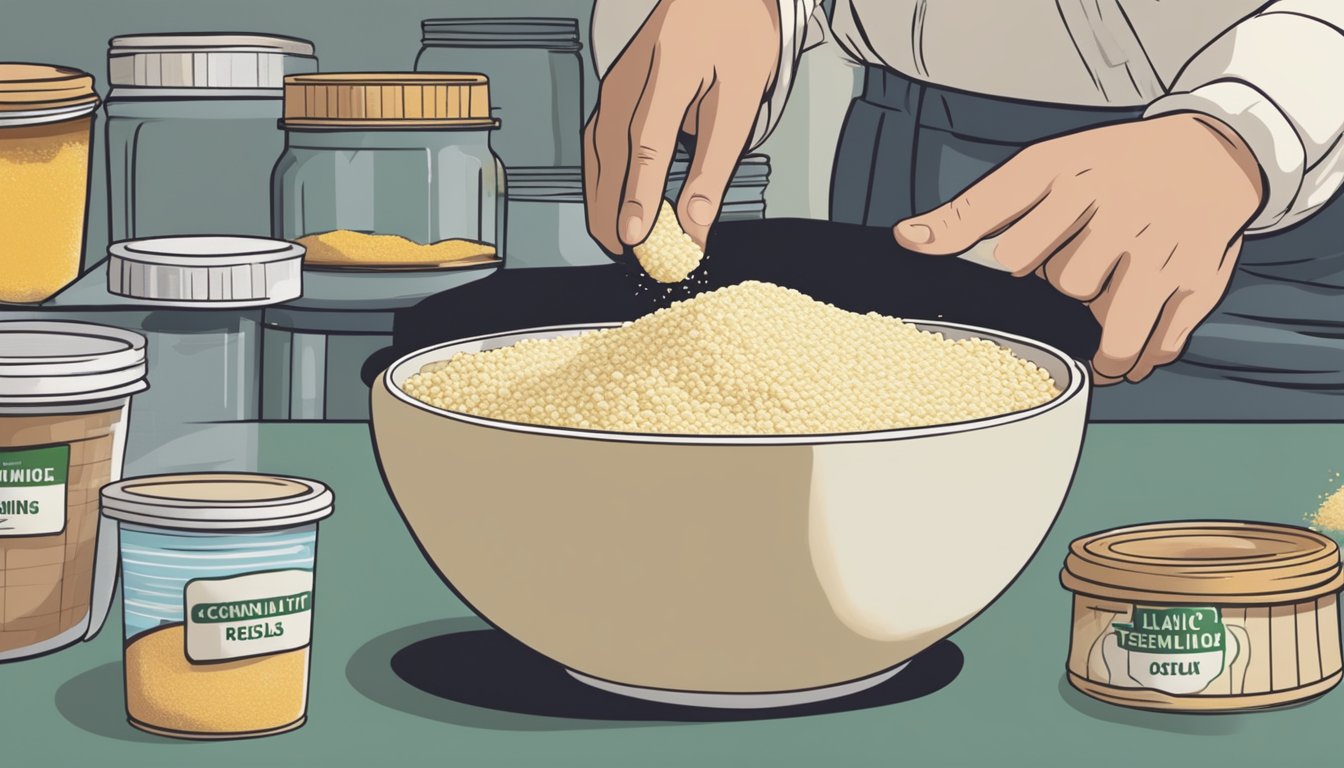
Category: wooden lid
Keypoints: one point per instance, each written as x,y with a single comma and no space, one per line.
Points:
1218,562
33,87
388,100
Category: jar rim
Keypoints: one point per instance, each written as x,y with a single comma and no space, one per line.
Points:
217,501
1223,562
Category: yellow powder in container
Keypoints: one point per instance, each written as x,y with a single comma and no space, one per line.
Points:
167,693
346,248
44,177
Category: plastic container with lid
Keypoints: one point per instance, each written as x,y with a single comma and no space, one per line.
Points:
536,69
191,130
1204,616
389,154
199,301
46,125
65,393
217,594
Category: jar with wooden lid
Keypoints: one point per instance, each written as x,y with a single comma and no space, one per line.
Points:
46,125
390,171
1204,616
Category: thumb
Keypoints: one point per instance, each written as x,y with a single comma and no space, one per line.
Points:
984,209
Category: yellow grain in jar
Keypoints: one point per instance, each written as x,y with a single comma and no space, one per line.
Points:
46,124
217,591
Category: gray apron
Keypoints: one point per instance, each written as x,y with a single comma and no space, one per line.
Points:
1273,350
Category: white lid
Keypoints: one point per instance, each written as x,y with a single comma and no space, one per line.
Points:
206,270
227,60
50,363
217,501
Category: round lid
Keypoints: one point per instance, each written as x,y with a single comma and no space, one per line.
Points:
388,100
42,88
206,270
50,363
209,41
212,62
1223,562
217,501
551,33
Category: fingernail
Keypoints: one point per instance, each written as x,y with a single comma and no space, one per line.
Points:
701,210
916,233
632,223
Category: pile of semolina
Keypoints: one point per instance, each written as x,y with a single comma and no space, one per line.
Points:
749,359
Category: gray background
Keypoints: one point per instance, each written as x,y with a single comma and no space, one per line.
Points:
365,35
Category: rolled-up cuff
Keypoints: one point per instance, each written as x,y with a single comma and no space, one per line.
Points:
1264,128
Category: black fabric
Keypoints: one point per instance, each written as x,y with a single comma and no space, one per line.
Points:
860,269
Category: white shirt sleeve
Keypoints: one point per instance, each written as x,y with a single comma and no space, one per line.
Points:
1274,79
615,23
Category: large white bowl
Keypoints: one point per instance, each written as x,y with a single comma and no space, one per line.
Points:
728,564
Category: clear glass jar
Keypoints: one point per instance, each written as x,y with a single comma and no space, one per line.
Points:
389,154
186,109
46,127
536,69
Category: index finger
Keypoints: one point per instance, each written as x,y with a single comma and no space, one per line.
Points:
1128,311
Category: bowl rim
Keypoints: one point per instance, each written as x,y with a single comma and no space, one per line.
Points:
1078,384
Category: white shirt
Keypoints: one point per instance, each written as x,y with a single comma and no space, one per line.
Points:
1272,71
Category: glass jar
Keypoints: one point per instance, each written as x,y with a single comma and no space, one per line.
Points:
46,124
537,72
65,393
187,108
548,225
217,595
390,154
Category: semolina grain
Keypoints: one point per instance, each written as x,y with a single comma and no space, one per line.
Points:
165,691
749,359
668,254
344,247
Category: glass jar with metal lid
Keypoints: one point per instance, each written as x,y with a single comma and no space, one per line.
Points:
46,124
536,68
191,130
390,154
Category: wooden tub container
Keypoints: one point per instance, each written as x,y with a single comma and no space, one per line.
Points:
1204,616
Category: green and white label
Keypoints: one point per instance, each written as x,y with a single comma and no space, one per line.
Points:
1175,650
32,490
251,615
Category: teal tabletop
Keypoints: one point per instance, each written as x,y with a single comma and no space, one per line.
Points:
404,674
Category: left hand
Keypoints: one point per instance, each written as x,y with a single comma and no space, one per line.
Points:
1142,221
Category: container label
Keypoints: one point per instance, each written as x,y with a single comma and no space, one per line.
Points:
251,615
1174,650
33,490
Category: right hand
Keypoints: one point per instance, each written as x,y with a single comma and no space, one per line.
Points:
698,66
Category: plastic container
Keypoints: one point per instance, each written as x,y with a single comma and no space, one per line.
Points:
1204,616
65,393
391,154
548,225
191,130
46,126
217,591
199,302
537,72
